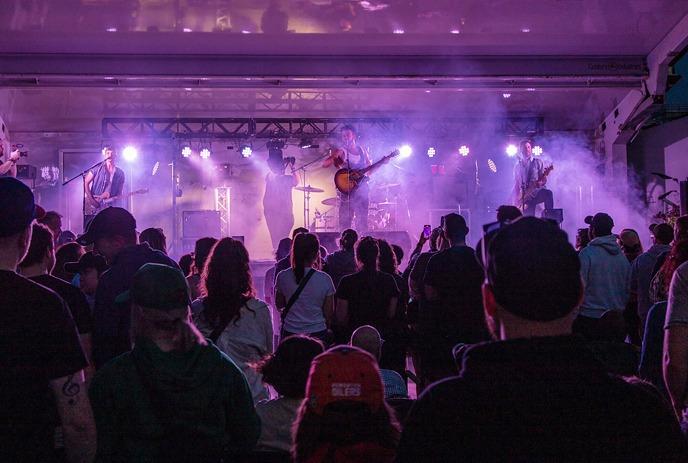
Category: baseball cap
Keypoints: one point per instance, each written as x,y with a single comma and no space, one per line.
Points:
17,206
108,222
538,252
158,286
600,221
344,373
88,260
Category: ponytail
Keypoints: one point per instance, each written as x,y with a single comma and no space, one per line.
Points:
305,248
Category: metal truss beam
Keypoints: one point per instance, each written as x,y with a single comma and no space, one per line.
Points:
266,128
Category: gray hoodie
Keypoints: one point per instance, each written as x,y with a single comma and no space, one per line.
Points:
606,277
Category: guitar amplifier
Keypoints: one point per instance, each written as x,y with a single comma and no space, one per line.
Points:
197,224
26,172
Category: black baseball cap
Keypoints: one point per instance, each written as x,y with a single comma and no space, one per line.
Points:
600,221
159,287
535,251
17,207
111,221
88,260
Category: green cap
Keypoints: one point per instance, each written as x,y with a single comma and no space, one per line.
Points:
158,286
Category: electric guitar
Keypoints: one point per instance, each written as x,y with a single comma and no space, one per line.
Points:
92,209
347,180
529,193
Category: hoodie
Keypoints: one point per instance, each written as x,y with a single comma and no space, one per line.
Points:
151,405
606,277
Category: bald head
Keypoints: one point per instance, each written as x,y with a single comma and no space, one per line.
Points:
367,338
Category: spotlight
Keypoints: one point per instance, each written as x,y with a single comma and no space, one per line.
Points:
246,151
431,152
455,31
186,151
398,31
405,151
491,164
464,150
511,150
130,153
186,29
205,153
506,96
537,150
111,29
306,143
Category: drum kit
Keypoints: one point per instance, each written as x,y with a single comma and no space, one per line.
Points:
382,215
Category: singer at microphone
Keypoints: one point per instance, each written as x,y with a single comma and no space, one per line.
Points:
103,185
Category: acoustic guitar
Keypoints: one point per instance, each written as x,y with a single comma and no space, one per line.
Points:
347,180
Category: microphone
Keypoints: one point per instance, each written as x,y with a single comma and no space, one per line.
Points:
662,196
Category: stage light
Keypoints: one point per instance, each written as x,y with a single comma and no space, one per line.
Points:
431,152
455,31
186,29
111,29
130,153
537,150
398,31
186,151
511,150
464,150
246,151
506,96
306,143
405,151
525,30
492,166
205,153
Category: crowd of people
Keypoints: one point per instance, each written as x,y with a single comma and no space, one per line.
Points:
525,348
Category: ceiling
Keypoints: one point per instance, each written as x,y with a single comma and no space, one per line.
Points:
66,64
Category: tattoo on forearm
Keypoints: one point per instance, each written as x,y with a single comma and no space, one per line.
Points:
71,389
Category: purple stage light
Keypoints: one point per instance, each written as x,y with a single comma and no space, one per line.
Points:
492,166
431,152
246,151
205,153
405,151
464,151
511,150
130,153
537,150
186,151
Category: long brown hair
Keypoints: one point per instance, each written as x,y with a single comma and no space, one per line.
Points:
305,248
677,256
388,260
367,252
342,424
227,282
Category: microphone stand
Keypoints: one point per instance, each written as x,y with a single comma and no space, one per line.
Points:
82,175
306,194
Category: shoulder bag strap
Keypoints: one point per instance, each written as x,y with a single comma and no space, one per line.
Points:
296,294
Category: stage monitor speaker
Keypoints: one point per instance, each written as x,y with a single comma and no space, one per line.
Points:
27,172
554,214
197,224
683,186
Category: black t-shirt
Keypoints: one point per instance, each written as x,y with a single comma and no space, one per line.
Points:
38,343
368,295
73,297
457,277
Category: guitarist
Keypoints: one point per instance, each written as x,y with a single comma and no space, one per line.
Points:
354,206
102,185
527,171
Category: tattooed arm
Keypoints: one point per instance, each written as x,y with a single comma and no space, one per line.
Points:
76,417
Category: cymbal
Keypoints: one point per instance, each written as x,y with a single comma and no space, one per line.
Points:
387,203
310,189
329,202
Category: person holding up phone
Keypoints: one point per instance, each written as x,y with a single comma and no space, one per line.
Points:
8,168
